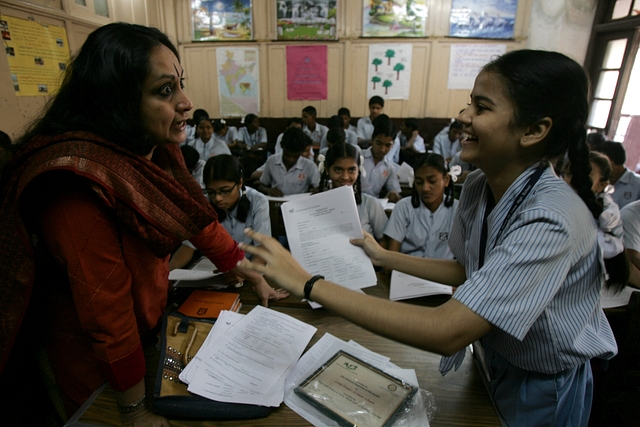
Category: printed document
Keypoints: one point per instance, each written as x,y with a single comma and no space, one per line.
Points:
319,228
405,286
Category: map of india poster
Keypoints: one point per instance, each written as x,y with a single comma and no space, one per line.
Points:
238,81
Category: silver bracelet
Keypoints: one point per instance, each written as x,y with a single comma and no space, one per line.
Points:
127,409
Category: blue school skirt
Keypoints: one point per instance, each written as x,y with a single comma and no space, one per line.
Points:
527,399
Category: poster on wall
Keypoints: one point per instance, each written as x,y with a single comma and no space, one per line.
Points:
238,81
483,19
397,18
306,72
37,53
466,61
221,20
306,19
389,70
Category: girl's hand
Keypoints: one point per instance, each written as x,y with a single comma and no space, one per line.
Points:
144,418
393,196
260,286
280,266
371,247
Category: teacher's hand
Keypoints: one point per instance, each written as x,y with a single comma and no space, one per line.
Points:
280,266
260,286
371,247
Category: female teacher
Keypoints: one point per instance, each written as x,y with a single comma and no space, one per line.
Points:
92,205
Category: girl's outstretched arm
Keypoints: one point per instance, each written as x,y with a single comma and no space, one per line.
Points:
444,329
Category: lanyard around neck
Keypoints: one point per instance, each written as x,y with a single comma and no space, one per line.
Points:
533,179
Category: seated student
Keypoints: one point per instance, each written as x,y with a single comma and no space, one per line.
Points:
195,165
631,222
307,154
380,171
625,181
365,124
420,225
410,139
336,135
394,153
293,122
198,115
289,172
341,166
315,130
206,145
225,134
345,115
252,136
349,136
447,142
237,206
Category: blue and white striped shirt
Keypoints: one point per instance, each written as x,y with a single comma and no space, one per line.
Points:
540,284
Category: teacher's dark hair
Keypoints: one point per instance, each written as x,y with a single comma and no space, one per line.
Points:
102,87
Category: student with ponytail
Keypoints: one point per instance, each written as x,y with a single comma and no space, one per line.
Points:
528,268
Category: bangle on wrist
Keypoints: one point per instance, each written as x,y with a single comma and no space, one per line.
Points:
127,409
309,286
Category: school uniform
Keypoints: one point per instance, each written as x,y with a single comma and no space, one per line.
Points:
379,176
444,146
278,147
373,219
418,144
365,128
394,154
352,128
230,136
421,232
350,137
318,133
191,135
627,188
540,289
197,172
257,218
302,175
213,147
630,215
610,228
258,137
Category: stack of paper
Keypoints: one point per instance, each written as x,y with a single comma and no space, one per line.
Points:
405,286
246,359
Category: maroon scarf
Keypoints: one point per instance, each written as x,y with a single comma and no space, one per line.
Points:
158,201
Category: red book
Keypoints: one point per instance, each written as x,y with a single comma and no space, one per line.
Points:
209,304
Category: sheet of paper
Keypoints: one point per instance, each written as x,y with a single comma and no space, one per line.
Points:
610,299
257,350
201,275
319,229
405,174
404,286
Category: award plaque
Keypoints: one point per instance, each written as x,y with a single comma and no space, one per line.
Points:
354,393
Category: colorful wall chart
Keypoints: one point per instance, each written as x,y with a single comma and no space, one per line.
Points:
221,20
306,72
37,53
238,81
389,70
485,19
398,18
306,19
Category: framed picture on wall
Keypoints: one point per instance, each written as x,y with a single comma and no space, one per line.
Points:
483,19
306,19
221,20
397,18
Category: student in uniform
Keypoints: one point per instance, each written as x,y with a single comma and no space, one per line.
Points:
365,124
198,115
315,130
420,225
380,171
528,268
289,172
345,115
252,136
342,166
206,144
349,136
193,162
625,181
227,135
447,141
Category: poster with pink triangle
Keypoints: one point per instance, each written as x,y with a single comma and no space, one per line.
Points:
307,72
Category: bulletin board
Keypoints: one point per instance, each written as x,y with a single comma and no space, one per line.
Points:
37,53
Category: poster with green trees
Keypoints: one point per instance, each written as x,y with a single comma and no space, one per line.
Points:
389,70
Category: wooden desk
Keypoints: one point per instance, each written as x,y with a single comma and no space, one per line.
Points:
461,396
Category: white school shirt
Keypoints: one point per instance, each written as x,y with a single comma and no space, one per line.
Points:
540,283
418,144
394,154
442,144
365,128
610,228
381,175
213,147
349,136
249,140
191,135
297,180
631,222
352,128
319,132
257,217
232,135
373,219
627,188
198,171
421,232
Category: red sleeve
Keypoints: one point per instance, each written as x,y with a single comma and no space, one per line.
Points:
86,241
218,246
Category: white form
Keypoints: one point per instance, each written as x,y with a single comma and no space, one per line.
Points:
259,349
319,228
404,286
